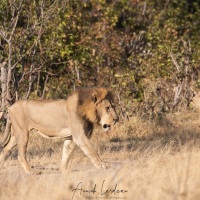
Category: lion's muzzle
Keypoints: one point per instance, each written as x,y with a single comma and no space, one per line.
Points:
107,127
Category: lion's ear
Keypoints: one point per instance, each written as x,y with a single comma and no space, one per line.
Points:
98,95
95,97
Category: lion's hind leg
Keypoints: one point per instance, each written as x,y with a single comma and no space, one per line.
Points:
21,135
7,149
68,148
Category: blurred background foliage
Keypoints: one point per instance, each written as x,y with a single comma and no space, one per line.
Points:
146,50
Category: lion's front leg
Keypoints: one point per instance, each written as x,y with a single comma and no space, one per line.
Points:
85,145
67,151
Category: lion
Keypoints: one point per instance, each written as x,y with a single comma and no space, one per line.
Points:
73,119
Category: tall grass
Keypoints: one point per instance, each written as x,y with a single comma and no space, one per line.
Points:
158,160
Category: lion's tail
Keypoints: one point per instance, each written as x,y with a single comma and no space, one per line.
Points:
7,134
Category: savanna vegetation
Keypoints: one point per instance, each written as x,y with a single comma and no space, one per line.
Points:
147,51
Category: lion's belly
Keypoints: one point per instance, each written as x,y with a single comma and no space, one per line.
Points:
63,133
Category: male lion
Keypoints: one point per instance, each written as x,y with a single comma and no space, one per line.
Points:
72,119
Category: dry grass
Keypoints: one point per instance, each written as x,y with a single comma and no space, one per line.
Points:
157,160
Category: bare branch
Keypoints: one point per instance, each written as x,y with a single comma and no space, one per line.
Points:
3,35
15,21
144,8
31,80
45,83
178,90
1,114
32,70
174,61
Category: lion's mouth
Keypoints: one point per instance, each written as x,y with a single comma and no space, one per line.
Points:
106,127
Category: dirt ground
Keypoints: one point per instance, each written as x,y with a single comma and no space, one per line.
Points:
146,161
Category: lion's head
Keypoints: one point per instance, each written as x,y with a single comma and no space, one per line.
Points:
97,106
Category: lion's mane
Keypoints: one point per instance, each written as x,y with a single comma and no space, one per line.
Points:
86,107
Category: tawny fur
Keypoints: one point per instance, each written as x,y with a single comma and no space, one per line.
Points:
72,119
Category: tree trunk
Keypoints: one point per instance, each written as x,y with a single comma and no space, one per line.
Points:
9,72
4,101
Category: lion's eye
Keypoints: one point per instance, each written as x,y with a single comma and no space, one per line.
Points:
108,108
